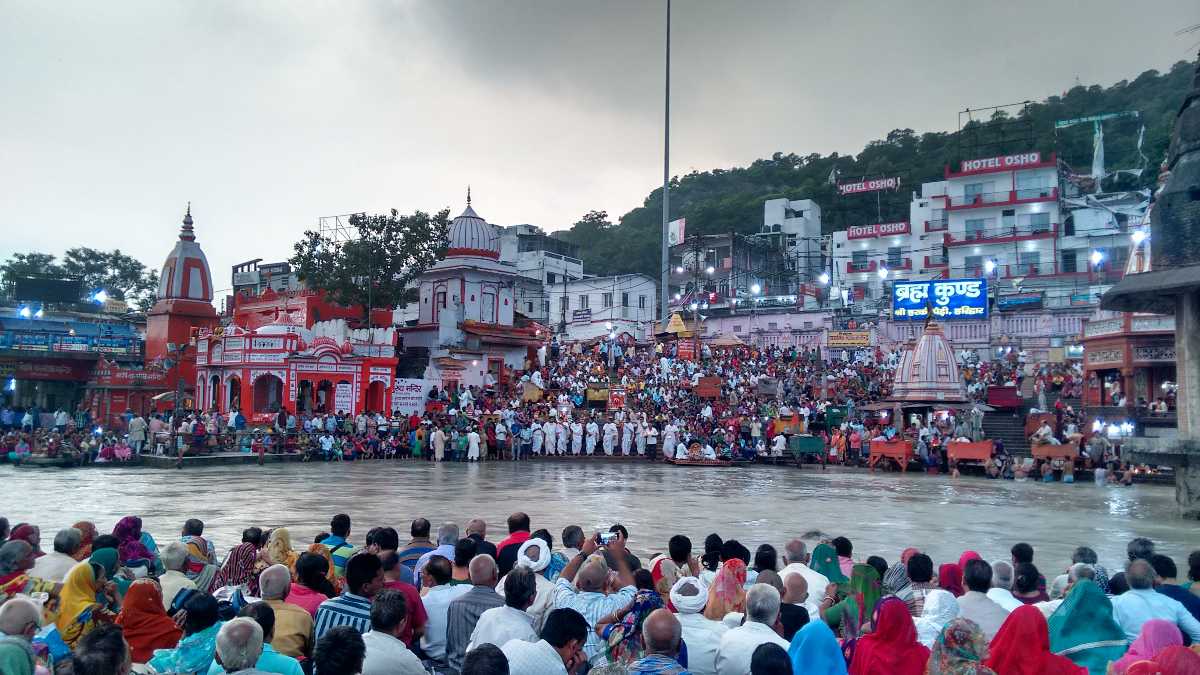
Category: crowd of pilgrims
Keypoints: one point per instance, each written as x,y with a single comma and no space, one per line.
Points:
662,415
455,602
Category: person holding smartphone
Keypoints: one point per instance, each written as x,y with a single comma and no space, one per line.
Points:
584,586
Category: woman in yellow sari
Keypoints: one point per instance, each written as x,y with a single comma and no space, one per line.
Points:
79,611
278,550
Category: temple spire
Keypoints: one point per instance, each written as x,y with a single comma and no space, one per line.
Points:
468,195
186,233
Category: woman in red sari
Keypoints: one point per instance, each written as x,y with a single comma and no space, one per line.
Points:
892,648
1022,647
145,623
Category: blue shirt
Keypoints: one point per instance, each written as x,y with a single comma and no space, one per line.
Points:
271,661
347,609
340,550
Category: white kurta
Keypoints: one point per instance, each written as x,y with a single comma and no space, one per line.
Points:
593,436
627,433
473,445
551,438
538,437
576,438
561,430
610,438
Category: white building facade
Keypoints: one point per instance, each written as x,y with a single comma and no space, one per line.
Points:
596,306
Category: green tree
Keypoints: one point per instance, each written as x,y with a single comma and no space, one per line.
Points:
373,270
121,276
28,265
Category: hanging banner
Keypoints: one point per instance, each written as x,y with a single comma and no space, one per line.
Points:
343,398
949,299
408,395
848,338
675,230
873,185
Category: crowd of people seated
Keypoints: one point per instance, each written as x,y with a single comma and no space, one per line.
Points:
451,601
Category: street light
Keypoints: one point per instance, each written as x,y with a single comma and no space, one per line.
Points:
709,269
694,306
679,270
1097,257
40,313
100,297
755,289
678,296
883,272
989,266
824,278
1138,237
25,312
608,325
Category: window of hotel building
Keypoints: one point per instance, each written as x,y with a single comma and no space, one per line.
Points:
641,302
1068,261
546,307
583,301
895,257
1008,219
606,299
977,228
550,277
973,265
737,328
1032,184
529,307
982,191
859,258
564,303
1118,256
624,299
771,325
1027,262
1036,222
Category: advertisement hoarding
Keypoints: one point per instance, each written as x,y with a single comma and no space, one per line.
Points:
948,299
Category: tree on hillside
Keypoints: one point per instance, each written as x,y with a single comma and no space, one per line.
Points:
731,199
373,270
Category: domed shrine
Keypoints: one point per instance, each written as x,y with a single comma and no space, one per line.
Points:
465,328
928,371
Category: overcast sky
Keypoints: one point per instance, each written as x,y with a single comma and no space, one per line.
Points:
267,115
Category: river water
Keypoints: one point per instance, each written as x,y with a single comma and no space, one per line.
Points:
881,513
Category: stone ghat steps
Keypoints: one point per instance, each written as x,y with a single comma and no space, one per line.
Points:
1003,426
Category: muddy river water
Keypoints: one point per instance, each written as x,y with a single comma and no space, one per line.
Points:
881,513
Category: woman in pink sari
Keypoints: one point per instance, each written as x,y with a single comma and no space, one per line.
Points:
1156,635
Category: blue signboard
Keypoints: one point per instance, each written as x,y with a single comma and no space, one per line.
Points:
948,298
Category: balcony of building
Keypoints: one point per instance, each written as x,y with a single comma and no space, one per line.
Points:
867,266
1005,198
936,261
1043,270
938,224
1004,234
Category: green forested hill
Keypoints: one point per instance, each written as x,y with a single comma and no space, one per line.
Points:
730,200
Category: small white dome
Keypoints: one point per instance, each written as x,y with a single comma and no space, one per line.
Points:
472,236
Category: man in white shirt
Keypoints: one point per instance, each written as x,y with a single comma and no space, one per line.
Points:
386,653
510,621
1141,603
796,555
738,645
975,604
701,634
558,652
54,565
1002,581
435,577
174,557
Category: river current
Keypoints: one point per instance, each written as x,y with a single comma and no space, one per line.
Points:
881,513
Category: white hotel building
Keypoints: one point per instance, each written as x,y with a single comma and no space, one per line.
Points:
997,217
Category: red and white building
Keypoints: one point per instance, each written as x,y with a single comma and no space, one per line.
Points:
320,367
466,311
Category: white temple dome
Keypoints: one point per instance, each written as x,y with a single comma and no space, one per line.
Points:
185,274
472,236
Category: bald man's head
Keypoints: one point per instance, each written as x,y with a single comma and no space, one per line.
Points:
20,617
483,570
591,577
795,589
661,632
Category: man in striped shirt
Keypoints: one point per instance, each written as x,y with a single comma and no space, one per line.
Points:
364,577
339,548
